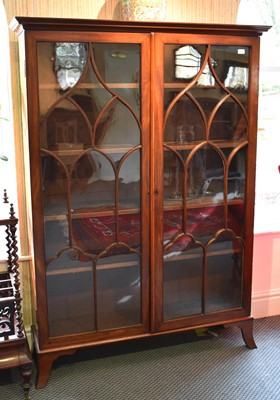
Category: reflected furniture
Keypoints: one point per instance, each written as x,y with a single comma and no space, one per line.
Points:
14,348
142,143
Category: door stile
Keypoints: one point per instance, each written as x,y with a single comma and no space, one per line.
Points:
157,86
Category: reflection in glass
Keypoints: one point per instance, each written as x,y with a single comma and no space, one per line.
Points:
89,125
54,186
92,182
172,225
237,78
117,126
236,175
182,279
65,129
204,158
173,176
203,222
224,274
206,174
229,122
94,89
233,69
114,61
119,67
56,236
70,295
118,291
206,78
207,99
93,234
129,181
236,218
183,63
184,122
70,59
187,62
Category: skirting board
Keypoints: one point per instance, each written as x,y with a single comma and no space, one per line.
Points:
266,304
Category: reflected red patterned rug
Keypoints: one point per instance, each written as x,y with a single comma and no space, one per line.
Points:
94,234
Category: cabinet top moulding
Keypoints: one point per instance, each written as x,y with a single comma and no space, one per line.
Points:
19,24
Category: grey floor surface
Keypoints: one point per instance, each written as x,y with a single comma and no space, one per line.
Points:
179,367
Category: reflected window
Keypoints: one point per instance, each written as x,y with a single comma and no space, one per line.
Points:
187,62
237,78
206,78
70,59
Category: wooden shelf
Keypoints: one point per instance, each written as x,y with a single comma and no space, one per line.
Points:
169,258
45,86
176,204
62,271
169,205
189,146
106,148
183,85
92,212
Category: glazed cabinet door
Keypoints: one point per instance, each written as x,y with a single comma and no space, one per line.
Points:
204,181
89,144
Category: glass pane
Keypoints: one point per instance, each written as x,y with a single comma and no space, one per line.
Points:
129,181
129,230
172,224
56,236
184,121
65,129
173,177
98,93
224,274
70,295
233,69
236,219
237,174
182,279
92,183
204,222
93,234
60,68
182,63
205,176
119,63
117,125
54,186
89,125
207,98
48,85
131,97
229,122
118,291
209,181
